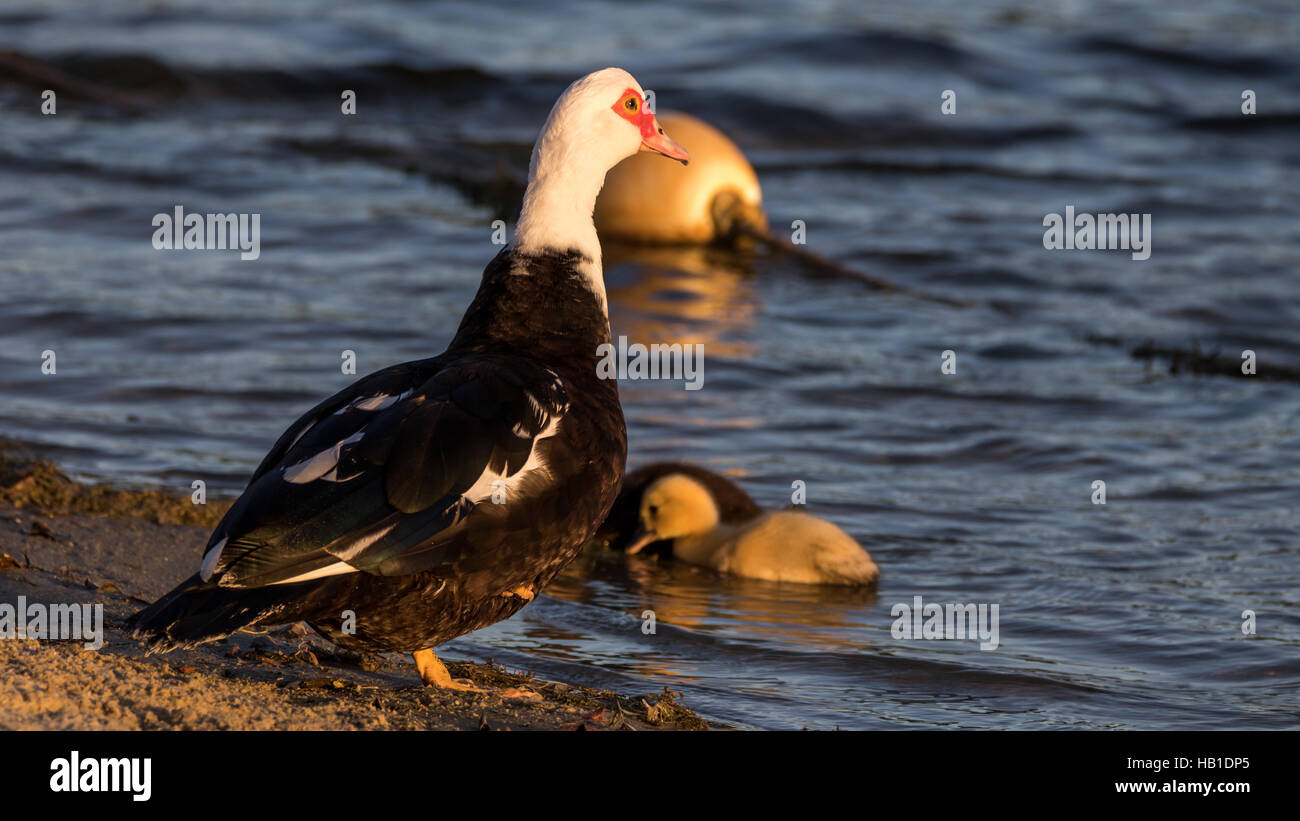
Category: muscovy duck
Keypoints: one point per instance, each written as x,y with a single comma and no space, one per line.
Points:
436,497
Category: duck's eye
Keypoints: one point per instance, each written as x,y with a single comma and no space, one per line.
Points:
653,510
630,104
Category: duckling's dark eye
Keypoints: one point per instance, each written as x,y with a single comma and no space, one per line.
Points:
630,105
653,510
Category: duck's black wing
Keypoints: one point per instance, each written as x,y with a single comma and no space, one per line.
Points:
380,477
370,476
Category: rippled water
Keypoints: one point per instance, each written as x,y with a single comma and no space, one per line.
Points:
967,488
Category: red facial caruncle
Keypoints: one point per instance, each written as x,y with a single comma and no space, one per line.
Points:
631,107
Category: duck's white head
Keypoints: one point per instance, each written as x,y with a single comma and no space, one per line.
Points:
672,507
599,121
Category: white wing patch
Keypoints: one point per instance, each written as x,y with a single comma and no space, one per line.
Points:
365,541
485,485
323,465
378,402
340,567
336,569
210,559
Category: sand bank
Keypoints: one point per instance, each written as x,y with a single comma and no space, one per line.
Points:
65,542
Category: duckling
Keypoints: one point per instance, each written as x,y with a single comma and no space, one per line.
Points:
624,520
782,546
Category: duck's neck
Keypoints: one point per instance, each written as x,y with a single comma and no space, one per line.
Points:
536,302
556,216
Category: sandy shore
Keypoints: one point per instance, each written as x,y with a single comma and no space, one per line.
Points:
64,542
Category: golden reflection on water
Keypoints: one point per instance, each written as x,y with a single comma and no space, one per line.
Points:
823,617
686,295
702,295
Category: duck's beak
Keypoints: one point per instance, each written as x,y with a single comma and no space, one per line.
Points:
639,540
661,143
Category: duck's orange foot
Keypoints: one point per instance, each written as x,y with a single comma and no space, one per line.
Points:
434,674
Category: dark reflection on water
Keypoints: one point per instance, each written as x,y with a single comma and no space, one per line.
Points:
970,488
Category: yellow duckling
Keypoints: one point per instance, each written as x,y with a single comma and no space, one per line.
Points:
784,546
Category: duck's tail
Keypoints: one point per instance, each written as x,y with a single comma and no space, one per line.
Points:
196,612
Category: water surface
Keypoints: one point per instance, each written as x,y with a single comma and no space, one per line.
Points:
967,488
